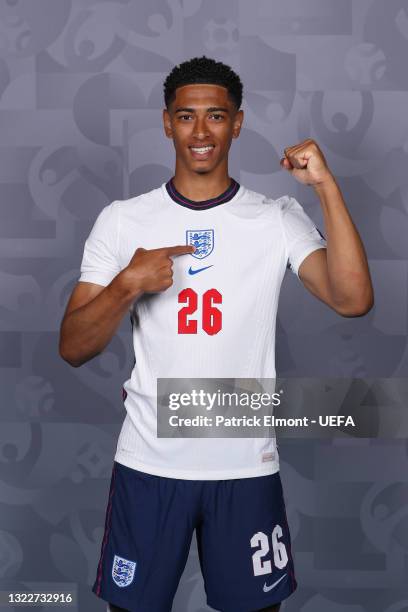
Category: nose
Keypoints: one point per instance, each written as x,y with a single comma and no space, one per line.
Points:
200,128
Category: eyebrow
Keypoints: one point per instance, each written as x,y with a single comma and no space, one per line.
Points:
209,110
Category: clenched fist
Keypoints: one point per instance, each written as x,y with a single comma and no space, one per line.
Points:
306,162
151,270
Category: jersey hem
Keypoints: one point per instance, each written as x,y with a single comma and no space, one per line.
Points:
128,461
308,251
96,279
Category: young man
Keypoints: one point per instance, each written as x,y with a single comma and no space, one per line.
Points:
205,309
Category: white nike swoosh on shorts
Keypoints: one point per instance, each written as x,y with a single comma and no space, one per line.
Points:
267,588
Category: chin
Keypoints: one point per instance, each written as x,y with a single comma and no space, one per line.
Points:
202,171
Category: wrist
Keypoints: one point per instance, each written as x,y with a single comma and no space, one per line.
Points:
327,184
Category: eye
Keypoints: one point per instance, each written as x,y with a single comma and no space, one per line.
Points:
182,116
215,115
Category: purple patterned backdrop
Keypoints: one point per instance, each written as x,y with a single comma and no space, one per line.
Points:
80,125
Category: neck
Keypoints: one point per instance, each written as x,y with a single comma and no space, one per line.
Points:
201,186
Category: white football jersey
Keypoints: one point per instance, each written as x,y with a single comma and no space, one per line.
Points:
244,243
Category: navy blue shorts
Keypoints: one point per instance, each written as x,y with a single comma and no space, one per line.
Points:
242,536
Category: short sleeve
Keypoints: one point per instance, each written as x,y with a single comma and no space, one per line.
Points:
100,262
301,234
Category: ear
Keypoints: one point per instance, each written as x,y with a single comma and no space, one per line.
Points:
167,123
238,120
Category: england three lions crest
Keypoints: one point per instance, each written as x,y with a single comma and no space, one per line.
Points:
123,571
203,240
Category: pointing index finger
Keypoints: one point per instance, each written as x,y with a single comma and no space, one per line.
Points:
181,249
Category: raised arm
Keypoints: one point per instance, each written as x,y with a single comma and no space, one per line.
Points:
338,274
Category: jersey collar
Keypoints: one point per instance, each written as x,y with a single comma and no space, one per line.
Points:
226,196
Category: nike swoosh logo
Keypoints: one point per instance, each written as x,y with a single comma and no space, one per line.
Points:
191,271
267,588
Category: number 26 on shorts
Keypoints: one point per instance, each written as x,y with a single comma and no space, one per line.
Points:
280,556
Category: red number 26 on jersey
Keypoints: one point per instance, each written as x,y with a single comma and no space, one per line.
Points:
211,316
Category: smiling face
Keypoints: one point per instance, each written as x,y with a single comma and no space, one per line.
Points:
202,115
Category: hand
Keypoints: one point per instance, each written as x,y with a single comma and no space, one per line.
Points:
306,162
151,270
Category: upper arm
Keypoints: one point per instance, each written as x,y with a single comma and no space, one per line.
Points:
82,294
302,238
314,275
307,250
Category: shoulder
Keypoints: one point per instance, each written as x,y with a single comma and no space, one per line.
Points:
142,209
141,202
119,215
266,203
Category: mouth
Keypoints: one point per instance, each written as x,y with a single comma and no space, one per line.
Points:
202,152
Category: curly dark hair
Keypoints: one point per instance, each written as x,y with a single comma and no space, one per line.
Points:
203,70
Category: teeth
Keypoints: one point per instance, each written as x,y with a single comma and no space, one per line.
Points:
202,149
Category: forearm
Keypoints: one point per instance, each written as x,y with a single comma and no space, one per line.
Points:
86,331
347,264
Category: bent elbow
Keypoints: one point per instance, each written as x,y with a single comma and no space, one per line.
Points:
71,362
356,310
68,358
